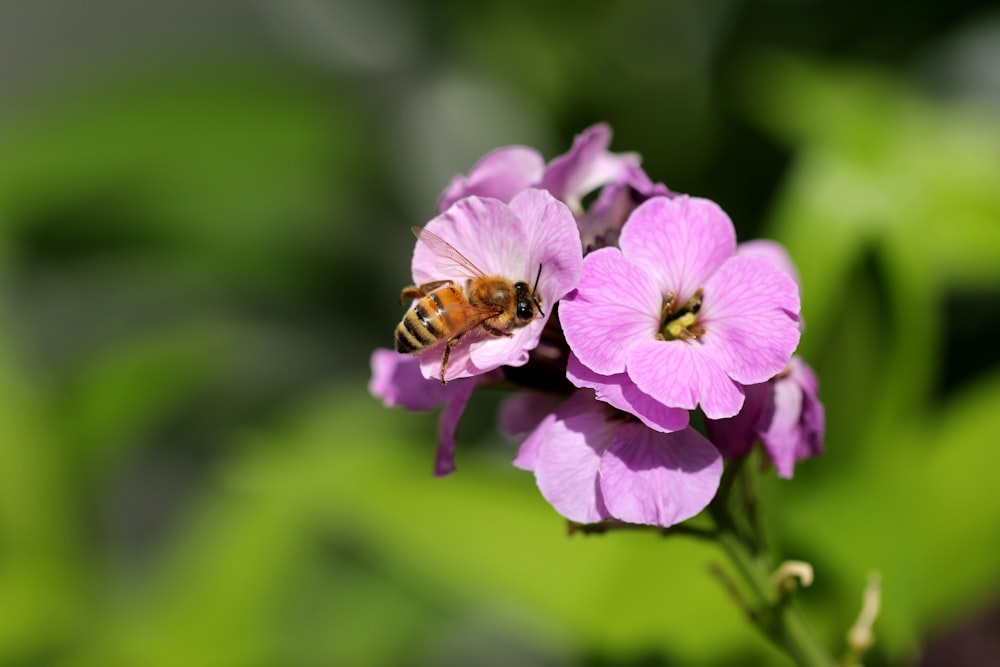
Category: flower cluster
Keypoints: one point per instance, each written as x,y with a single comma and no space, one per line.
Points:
647,310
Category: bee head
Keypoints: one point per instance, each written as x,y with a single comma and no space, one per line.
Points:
525,309
527,300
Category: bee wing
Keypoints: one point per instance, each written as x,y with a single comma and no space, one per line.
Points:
447,259
472,314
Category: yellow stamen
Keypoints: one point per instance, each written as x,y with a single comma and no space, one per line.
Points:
676,327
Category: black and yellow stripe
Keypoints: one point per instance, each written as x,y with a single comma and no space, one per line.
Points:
419,329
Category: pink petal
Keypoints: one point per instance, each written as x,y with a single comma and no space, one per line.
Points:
486,231
553,244
478,352
795,431
568,447
619,391
657,478
679,241
600,225
444,460
804,376
614,306
773,252
682,374
500,174
638,180
750,312
735,436
813,421
397,380
527,452
780,436
460,364
490,352
586,166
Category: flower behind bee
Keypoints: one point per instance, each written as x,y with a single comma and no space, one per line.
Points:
535,230
587,166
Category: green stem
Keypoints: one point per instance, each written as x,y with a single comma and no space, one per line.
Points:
780,620
741,537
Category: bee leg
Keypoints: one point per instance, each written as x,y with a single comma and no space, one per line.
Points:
494,331
427,288
415,291
452,342
411,292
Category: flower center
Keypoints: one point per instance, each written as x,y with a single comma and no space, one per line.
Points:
680,321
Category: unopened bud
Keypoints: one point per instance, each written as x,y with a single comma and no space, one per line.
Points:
784,578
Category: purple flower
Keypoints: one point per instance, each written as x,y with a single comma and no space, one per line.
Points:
510,240
586,167
591,465
503,173
620,392
397,381
500,174
684,318
784,412
602,222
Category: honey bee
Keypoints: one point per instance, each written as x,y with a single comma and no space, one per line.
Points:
446,311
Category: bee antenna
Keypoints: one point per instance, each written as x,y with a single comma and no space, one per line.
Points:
534,294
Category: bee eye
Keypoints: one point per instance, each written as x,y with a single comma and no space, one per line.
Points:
524,311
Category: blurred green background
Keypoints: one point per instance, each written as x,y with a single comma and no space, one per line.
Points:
204,212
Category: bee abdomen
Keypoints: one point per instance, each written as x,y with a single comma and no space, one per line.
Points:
418,330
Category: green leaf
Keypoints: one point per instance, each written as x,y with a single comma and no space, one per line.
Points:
122,393
42,587
226,164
